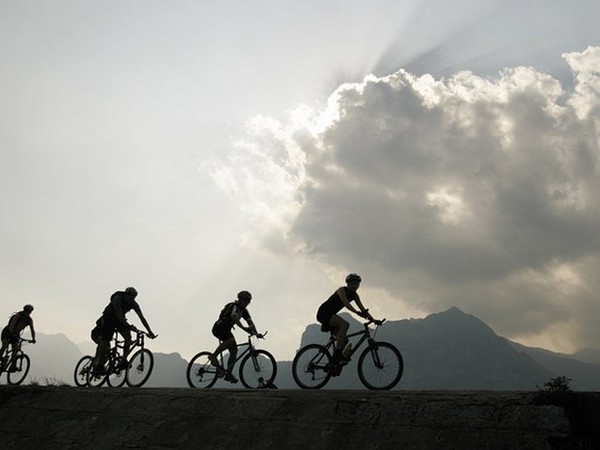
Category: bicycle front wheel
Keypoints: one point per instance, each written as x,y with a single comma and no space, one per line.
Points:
200,372
81,370
258,369
310,367
380,366
21,364
117,375
140,367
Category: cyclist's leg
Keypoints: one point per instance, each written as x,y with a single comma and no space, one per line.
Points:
15,343
224,335
340,328
126,334
103,345
101,352
4,348
232,348
5,340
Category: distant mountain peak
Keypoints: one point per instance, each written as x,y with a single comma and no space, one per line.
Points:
453,310
454,313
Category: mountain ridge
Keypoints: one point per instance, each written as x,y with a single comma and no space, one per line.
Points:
446,350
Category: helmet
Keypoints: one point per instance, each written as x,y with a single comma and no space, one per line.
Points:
132,291
244,295
353,277
28,308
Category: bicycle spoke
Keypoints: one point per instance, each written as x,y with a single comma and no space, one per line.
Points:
258,370
81,370
311,367
117,377
21,364
140,368
380,366
200,372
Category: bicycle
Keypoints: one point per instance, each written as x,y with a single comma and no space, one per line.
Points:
82,368
257,368
21,364
380,365
84,365
116,373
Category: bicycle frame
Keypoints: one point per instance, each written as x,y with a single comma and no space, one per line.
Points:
249,349
365,336
119,344
379,365
139,340
5,359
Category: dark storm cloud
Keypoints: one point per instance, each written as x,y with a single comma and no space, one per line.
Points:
481,192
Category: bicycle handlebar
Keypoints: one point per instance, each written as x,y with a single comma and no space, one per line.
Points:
142,332
375,321
258,335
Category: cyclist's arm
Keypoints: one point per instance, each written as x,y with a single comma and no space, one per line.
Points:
139,313
341,292
250,329
32,331
364,312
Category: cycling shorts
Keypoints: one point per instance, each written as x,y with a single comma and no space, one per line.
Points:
325,313
110,325
13,338
222,331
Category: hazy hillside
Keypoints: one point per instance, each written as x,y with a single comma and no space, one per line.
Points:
453,350
169,371
447,350
588,355
585,376
53,359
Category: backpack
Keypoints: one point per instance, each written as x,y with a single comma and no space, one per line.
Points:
18,317
96,331
225,314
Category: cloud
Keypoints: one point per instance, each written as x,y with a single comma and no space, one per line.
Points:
474,191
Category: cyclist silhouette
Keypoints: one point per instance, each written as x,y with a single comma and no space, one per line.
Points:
328,316
230,316
113,319
11,333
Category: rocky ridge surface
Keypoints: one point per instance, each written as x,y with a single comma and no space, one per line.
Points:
53,417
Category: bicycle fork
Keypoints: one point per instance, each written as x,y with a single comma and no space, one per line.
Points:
254,361
140,366
373,347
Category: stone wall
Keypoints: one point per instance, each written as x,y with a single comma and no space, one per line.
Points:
76,418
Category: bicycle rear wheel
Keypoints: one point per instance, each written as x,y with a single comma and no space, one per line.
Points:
94,379
21,364
200,372
140,367
81,369
380,366
258,370
310,367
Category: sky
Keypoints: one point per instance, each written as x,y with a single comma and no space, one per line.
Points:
448,152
